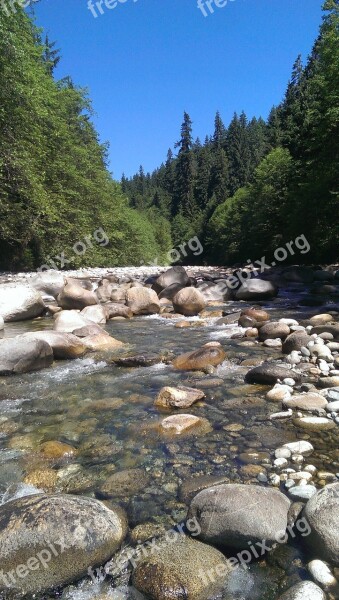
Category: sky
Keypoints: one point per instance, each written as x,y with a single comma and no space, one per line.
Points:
145,62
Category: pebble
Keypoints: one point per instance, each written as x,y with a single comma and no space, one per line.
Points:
310,469
289,381
298,459
274,480
280,463
273,343
282,453
333,406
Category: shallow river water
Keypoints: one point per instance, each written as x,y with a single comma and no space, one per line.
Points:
107,413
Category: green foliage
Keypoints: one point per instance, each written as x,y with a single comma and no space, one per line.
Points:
55,188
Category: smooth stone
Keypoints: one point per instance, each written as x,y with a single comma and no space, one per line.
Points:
178,424
279,393
189,302
269,373
302,447
180,397
273,343
314,423
191,487
283,453
322,574
308,401
306,590
65,346
328,382
57,450
234,514
302,492
210,354
125,483
321,513
82,530
20,302
75,297
333,406
295,341
142,301
22,355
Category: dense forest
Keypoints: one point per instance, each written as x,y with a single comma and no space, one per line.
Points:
256,184
243,191
55,188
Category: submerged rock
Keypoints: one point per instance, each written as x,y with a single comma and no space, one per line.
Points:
180,397
232,515
210,354
178,570
306,590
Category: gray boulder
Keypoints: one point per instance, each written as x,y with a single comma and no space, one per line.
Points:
306,590
48,282
20,302
189,301
295,341
273,330
22,355
64,345
256,289
171,276
232,515
269,373
75,297
48,541
321,512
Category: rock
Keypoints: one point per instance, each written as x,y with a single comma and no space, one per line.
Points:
322,574
314,423
273,343
308,401
178,424
139,360
174,275
328,382
302,447
169,292
90,330
48,541
42,479
177,570
104,291
321,512
22,355
75,297
190,487
2,324
114,309
302,492
306,590
333,329
180,397
97,314
19,302
48,282
333,406
199,359
256,314
273,330
233,515
57,450
322,351
321,319
68,321
279,393
125,483
219,292
269,373
298,274
256,289
189,302
295,341
142,301
64,345
101,342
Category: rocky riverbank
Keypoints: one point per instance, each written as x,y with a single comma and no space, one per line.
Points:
171,433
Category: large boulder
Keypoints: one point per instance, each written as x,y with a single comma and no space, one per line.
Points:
179,570
48,541
171,291
233,515
142,301
102,342
64,345
270,373
305,590
114,309
210,354
321,512
68,321
296,274
20,302
189,302
75,297
256,289
173,275
48,282
215,291
97,314
22,355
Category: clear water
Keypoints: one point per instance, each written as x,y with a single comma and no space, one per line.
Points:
107,413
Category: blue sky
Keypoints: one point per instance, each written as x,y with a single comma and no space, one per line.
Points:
146,61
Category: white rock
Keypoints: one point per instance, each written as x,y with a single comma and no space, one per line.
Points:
302,492
333,406
302,447
2,323
289,381
289,322
322,574
310,469
301,476
283,453
279,393
306,590
280,462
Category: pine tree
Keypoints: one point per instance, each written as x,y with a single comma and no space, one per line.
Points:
184,194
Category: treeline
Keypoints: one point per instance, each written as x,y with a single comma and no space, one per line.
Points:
55,188
256,184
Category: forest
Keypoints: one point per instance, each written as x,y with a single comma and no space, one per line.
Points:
251,184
